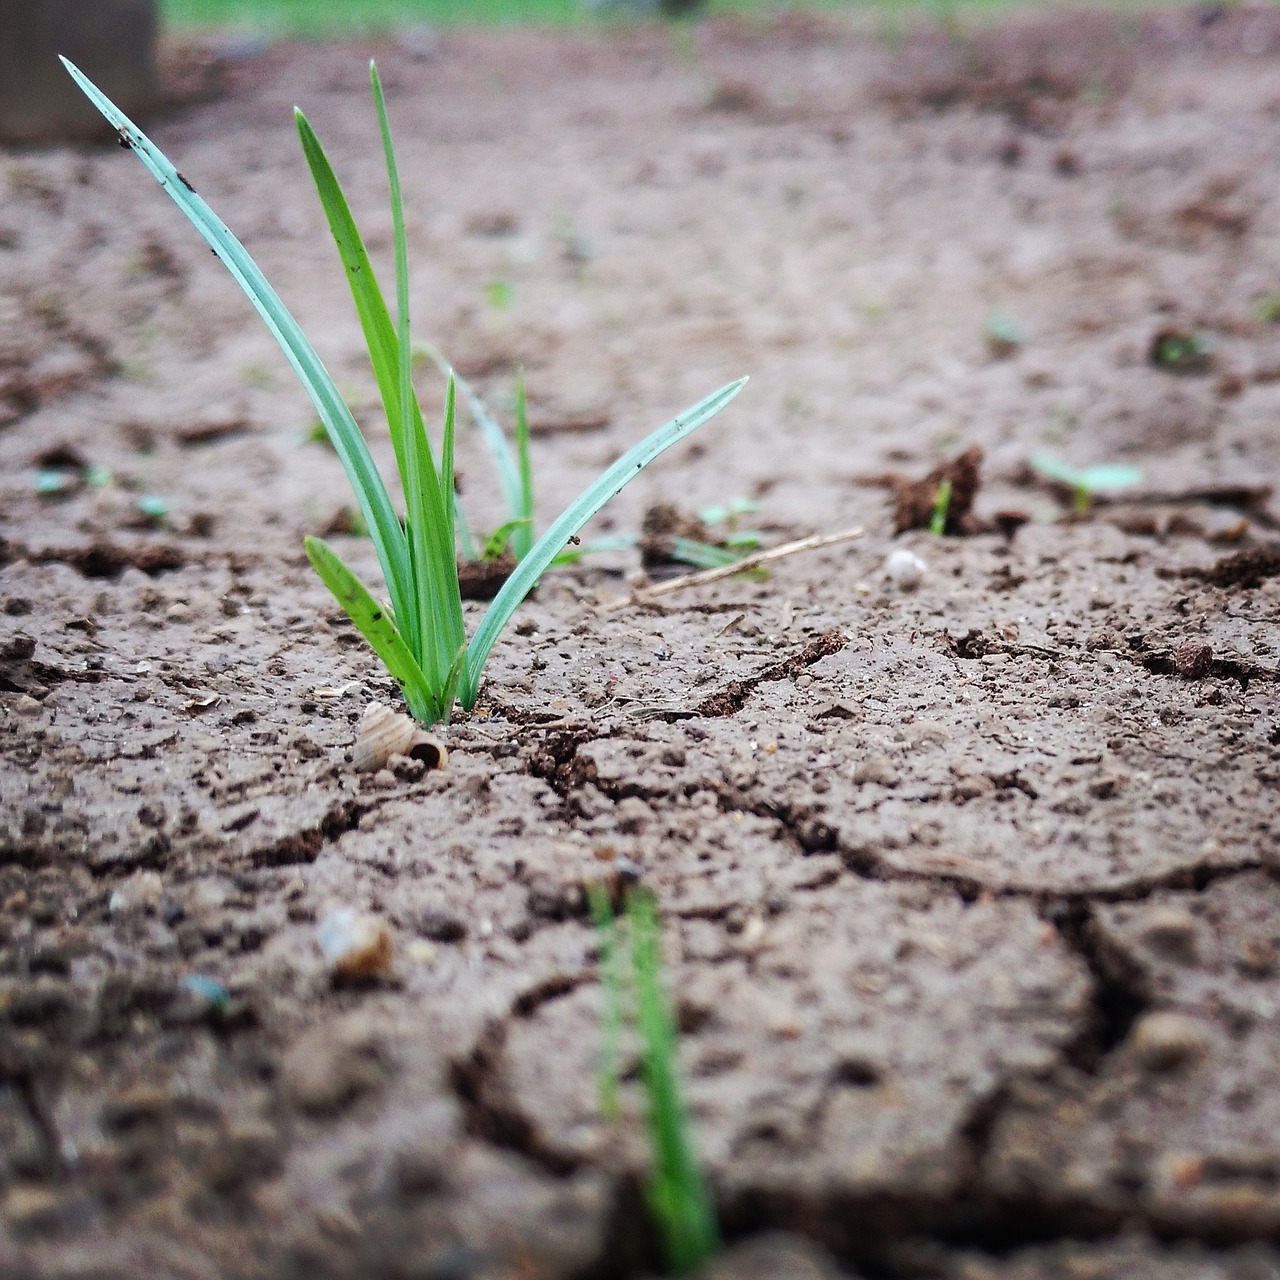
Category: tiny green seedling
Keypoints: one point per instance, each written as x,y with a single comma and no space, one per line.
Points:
420,636
677,1192
1087,481
1005,336
941,505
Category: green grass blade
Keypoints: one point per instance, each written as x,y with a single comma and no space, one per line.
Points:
550,545
522,542
370,492
495,438
677,1194
378,629
428,493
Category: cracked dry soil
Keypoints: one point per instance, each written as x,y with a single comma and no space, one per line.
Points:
970,896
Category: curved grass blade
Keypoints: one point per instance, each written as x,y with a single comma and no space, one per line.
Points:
550,545
388,538
378,629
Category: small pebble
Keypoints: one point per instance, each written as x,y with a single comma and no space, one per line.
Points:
1171,932
905,569
178,612
28,1207
876,769
1166,1041
26,706
1193,660
140,892
355,944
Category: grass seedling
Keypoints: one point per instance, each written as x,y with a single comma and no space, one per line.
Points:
1005,336
677,1193
420,636
1084,483
941,505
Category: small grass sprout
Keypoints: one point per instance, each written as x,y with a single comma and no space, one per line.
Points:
677,1192
1005,336
941,505
420,635
1109,477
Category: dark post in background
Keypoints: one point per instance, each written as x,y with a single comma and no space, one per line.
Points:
112,41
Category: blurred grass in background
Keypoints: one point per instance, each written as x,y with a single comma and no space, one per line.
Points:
320,17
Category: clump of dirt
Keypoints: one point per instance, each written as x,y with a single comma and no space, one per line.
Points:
1247,569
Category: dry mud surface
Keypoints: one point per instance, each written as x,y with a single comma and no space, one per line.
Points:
970,892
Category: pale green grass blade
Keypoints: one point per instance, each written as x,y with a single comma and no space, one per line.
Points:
677,1194
522,541
371,494
494,437
447,490
429,507
550,545
463,529
378,629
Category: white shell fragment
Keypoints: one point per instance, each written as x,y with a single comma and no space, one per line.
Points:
383,733
904,569
354,943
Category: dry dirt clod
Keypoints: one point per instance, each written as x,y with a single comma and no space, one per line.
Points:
383,733
1166,1041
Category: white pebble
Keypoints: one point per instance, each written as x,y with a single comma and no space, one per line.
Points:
905,569
355,944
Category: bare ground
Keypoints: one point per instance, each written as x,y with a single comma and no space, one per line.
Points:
970,897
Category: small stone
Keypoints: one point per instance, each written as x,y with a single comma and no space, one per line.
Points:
356,945
26,705
1256,958
1170,932
29,1208
1193,660
905,569
440,925
876,769
926,733
1166,1041
178,612
420,951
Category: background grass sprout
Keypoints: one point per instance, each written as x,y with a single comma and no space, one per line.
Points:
421,636
1107,477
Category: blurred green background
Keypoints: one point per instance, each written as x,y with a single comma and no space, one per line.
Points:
317,17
